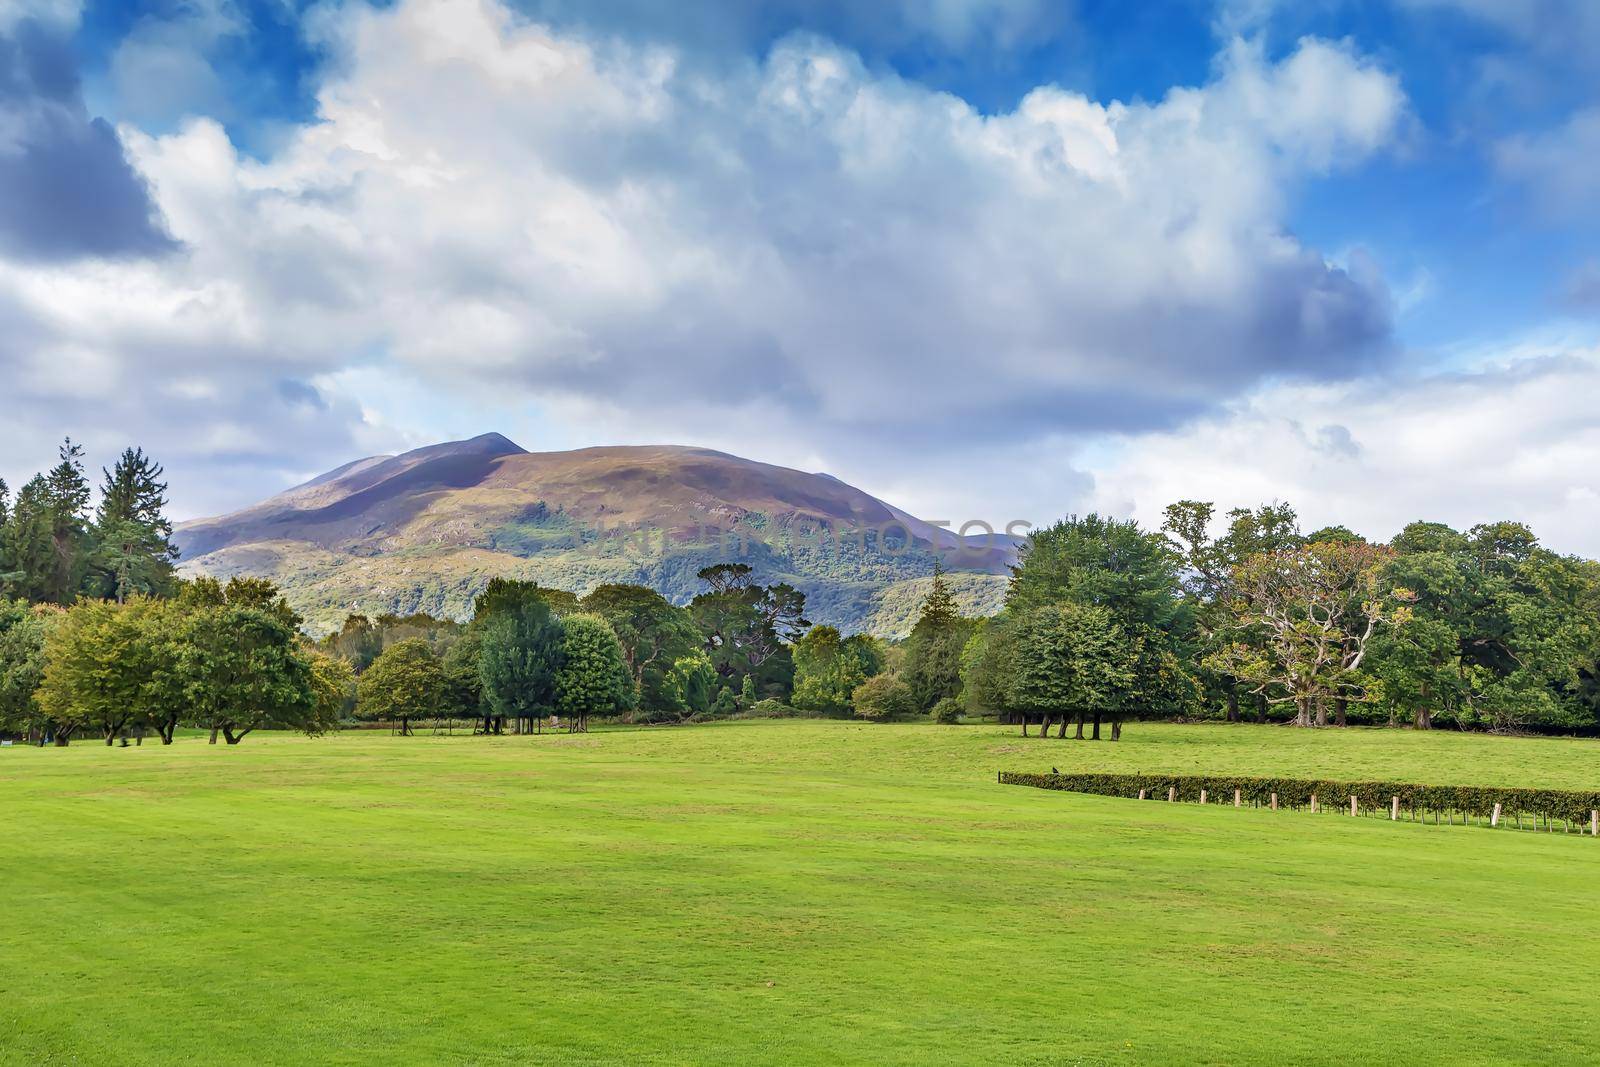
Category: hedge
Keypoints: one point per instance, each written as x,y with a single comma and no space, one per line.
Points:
1570,805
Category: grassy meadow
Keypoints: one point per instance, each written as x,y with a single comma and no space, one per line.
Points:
779,892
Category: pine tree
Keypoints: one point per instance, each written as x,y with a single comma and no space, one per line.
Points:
65,506
940,606
933,651
133,536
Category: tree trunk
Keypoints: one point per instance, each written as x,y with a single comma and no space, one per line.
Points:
1233,702
1096,734
1341,711
213,736
405,726
111,735
61,739
1322,713
1424,719
166,730
1024,718
1302,712
1261,707
1079,735
1062,731
233,738
1116,729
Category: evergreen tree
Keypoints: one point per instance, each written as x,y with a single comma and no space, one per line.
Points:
66,517
933,651
519,655
132,535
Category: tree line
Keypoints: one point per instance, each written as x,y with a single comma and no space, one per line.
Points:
1244,616
1235,616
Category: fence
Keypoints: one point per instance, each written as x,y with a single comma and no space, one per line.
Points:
1576,811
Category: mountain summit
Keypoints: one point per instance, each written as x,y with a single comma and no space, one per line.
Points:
424,530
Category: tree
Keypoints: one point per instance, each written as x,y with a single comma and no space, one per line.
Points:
593,679
882,698
132,535
1208,570
24,631
1502,631
744,626
988,666
828,668
519,656
689,685
933,650
1102,562
1072,659
333,688
653,633
405,682
240,669
101,665
1305,619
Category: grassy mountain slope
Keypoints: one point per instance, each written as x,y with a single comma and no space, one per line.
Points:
425,530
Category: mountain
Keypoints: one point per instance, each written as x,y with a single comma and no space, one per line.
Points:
423,531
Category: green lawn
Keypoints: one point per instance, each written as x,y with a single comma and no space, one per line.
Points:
779,893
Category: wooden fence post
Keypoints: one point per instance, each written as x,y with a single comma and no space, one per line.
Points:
1494,820
1352,805
1236,798
1313,803
1202,796
1274,802
1172,793
1394,809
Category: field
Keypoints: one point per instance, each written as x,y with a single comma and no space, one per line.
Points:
779,893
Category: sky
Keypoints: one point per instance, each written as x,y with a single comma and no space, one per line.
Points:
986,259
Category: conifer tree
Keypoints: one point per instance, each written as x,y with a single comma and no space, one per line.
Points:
133,536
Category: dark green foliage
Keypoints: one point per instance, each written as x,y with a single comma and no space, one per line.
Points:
933,651
239,669
1503,633
1106,563
947,711
744,626
134,553
23,630
520,652
1571,806
654,635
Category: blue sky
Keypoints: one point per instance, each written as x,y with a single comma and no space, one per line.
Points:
1213,248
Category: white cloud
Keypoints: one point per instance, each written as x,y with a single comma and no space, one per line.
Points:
802,249
1515,437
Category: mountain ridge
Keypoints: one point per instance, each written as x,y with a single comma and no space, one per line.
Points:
423,529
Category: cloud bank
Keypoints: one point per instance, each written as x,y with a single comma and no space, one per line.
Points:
799,248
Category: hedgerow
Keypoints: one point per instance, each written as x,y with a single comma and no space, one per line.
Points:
1570,805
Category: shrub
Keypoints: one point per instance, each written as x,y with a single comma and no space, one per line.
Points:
771,709
883,697
1570,805
947,711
